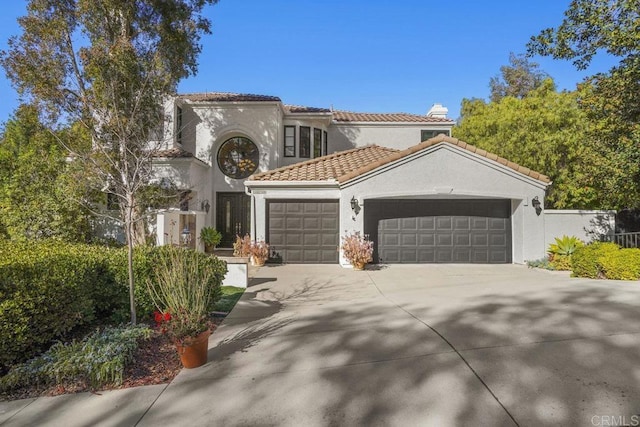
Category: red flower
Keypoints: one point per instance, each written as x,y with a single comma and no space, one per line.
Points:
167,316
157,316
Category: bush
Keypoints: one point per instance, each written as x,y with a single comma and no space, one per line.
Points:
47,289
623,264
98,359
585,261
561,262
606,261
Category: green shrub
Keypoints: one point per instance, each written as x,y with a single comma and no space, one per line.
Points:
623,264
47,289
606,261
98,359
561,262
585,261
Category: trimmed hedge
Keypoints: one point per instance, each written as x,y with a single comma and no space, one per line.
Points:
606,261
47,289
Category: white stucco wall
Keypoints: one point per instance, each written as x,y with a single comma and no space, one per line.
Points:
449,172
587,225
399,136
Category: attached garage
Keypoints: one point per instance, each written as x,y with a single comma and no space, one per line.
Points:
441,201
439,231
304,231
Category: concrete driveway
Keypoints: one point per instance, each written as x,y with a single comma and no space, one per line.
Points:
433,345
408,345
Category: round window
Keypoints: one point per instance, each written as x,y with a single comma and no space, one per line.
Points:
238,157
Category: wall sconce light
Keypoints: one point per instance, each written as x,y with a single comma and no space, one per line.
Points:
205,206
355,206
185,236
535,202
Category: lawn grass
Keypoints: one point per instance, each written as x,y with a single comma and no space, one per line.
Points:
230,296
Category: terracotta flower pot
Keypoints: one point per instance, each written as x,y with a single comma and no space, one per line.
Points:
193,351
359,266
257,262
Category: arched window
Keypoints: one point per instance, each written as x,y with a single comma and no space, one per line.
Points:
238,157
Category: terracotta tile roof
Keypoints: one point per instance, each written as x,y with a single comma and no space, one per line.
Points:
333,166
173,153
301,109
348,116
347,165
441,139
227,97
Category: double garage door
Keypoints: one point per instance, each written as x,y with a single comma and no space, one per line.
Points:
440,231
404,231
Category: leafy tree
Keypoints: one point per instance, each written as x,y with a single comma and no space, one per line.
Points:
35,198
611,100
517,79
543,131
108,64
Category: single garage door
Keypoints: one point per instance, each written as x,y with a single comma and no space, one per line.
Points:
440,231
303,231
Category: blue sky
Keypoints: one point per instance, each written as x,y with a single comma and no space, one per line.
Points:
372,56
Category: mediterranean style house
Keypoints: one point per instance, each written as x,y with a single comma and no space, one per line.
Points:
300,178
214,141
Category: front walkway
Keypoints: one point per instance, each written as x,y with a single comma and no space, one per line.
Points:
406,345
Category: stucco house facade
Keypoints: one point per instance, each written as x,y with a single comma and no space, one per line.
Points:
213,142
300,178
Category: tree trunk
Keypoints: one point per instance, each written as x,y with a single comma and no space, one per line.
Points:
130,243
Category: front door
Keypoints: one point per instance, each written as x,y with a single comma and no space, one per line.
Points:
233,216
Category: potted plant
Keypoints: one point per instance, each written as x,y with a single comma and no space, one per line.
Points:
211,238
357,249
183,288
259,253
242,246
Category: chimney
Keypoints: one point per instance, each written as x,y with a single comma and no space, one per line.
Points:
438,111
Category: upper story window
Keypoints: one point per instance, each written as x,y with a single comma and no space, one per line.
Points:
428,134
289,141
238,157
179,125
325,143
305,142
317,142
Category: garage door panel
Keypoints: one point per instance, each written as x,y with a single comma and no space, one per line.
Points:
426,255
480,224
462,239
427,223
444,223
496,224
304,231
427,239
311,223
444,240
460,223
425,231
409,239
480,240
